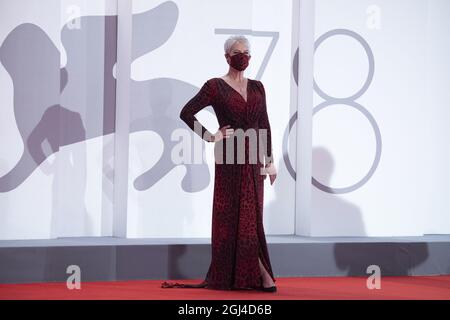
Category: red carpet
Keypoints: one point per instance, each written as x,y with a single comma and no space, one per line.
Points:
424,287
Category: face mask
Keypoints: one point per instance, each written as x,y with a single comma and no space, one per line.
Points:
239,61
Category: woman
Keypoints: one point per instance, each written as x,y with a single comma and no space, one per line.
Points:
240,258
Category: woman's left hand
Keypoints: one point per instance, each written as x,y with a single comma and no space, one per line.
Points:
271,171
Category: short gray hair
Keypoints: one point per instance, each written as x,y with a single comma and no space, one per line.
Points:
233,39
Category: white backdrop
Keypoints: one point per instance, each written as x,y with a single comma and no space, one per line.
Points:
176,47
407,192
69,194
193,54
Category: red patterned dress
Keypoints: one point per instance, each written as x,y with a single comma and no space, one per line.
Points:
237,238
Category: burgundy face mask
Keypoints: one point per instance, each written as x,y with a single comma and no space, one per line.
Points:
239,61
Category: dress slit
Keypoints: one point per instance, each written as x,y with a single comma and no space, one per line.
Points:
258,231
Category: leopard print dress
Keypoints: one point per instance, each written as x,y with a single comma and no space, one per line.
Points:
237,237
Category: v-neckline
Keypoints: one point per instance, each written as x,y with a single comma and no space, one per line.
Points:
246,89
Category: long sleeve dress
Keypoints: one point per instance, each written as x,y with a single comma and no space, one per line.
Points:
237,237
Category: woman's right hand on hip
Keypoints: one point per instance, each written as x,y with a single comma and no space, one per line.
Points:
223,133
